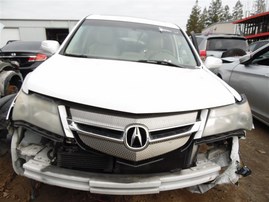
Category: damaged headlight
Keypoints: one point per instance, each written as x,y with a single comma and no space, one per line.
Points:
39,111
229,118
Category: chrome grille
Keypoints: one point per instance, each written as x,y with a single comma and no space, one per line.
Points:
119,122
104,131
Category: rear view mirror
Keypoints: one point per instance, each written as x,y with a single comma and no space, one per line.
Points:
50,46
213,62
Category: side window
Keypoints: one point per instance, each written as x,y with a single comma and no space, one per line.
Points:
262,59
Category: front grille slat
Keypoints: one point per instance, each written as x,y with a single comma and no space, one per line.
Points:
119,122
170,132
101,131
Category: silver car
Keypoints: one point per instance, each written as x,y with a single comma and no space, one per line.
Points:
250,75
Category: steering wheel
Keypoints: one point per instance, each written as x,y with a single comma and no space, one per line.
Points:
162,55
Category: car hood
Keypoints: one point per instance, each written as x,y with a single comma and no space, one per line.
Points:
128,86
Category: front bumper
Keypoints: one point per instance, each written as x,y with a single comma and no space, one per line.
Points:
32,161
120,184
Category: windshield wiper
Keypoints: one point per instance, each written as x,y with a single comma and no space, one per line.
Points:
160,62
76,55
85,56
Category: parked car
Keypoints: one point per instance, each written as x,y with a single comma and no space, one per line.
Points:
250,75
29,54
126,106
257,44
222,45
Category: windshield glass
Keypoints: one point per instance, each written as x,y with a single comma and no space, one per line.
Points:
224,44
131,42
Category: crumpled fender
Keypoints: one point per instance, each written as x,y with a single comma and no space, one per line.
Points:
228,176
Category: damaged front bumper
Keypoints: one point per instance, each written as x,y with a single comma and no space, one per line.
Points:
199,178
120,184
92,157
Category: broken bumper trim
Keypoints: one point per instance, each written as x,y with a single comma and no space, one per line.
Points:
121,184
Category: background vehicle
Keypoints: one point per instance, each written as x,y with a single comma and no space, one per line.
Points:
257,44
127,107
218,44
29,54
250,75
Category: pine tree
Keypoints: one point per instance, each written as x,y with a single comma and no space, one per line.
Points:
226,14
203,22
193,21
215,12
260,6
238,11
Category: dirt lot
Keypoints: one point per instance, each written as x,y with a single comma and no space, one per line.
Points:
254,153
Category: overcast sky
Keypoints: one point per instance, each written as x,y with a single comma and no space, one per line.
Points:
175,11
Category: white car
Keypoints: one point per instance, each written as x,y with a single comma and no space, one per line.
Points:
126,106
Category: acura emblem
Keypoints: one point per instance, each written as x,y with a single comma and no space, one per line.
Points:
136,137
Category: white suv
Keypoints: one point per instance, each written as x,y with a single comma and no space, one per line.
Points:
222,45
126,107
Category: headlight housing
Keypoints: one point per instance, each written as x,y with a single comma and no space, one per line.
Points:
39,111
229,118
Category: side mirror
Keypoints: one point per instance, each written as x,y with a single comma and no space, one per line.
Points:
213,62
50,46
244,58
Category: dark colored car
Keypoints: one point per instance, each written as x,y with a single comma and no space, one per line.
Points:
29,54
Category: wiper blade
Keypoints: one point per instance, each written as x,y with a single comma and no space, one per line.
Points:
85,56
76,55
160,62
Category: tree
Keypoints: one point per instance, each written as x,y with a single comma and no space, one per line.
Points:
193,21
260,6
226,14
238,10
203,22
215,12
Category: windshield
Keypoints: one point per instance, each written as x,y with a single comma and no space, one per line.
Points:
224,44
131,42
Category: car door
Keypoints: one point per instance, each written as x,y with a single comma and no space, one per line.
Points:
252,79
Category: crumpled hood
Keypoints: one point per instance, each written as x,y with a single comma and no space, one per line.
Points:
128,86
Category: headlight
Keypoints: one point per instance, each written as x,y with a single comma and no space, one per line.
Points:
39,111
229,118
